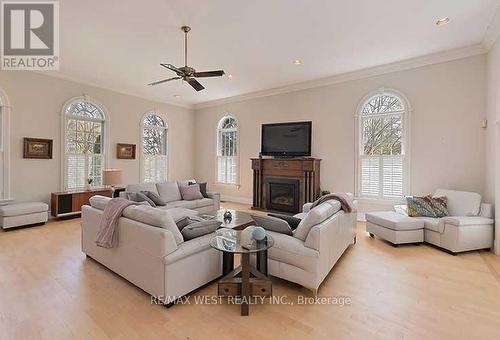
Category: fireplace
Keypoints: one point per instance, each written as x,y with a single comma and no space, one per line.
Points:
282,194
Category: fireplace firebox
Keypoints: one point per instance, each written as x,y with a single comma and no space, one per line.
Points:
283,194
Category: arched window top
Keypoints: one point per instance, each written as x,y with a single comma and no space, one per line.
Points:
82,108
383,103
154,120
228,123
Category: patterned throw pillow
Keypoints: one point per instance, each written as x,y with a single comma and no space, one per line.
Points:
439,205
420,206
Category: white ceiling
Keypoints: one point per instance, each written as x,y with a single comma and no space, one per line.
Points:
119,44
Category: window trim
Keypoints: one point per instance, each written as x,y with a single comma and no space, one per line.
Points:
217,130
141,142
406,145
105,135
5,115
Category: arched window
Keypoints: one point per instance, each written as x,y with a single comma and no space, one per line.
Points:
227,151
84,151
154,148
382,146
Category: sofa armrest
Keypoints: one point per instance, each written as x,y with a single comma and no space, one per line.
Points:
306,207
487,210
215,196
313,238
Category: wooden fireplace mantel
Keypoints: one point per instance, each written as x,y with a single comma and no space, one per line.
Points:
306,170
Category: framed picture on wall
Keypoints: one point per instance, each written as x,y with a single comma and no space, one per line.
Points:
125,151
37,148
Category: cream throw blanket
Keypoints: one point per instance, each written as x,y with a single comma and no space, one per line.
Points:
107,236
346,201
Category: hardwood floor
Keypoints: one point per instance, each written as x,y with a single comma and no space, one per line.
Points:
50,290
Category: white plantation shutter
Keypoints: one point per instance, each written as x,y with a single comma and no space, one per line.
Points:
382,142
155,168
370,173
392,176
227,151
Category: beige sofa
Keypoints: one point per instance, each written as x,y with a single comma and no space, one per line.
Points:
307,259
170,193
149,256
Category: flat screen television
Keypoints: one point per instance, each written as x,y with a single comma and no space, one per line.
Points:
286,139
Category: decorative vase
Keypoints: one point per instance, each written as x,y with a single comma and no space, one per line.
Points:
228,216
258,233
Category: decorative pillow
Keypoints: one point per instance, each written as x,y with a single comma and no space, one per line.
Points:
198,229
401,209
153,196
439,205
273,224
140,197
203,188
187,220
292,221
419,206
315,216
191,192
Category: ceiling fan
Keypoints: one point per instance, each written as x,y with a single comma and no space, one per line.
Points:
187,73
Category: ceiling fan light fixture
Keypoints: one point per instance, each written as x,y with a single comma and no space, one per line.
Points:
443,21
297,62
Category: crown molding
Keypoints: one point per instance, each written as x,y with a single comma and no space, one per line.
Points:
403,65
82,81
492,32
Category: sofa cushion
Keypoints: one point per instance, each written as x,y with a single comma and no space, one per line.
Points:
273,224
393,220
292,221
461,203
15,209
189,248
155,217
290,250
182,204
153,196
197,229
141,187
204,202
431,223
191,192
169,191
315,216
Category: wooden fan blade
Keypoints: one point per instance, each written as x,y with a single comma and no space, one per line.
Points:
195,84
218,73
164,81
173,68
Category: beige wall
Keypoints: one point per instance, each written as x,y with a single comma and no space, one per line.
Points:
493,136
37,101
447,142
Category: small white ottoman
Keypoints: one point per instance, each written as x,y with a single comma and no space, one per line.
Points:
22,214
395,228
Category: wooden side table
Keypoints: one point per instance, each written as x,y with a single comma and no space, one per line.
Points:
69,203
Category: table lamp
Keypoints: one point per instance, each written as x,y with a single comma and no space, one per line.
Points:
112,177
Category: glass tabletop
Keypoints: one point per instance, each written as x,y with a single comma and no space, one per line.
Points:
230,241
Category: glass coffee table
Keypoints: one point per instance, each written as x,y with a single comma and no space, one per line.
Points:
244,281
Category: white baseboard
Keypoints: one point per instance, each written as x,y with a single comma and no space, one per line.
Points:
236,199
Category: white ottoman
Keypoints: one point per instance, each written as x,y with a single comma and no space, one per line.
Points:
395,228
22,214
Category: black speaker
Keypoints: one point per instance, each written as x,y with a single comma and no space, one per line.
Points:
65,204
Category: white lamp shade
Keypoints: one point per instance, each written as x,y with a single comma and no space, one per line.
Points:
112,177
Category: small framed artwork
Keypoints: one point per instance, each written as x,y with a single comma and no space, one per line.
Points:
37,148
125,151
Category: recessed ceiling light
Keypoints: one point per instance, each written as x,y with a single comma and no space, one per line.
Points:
297,62
177,96
230,76
443,21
